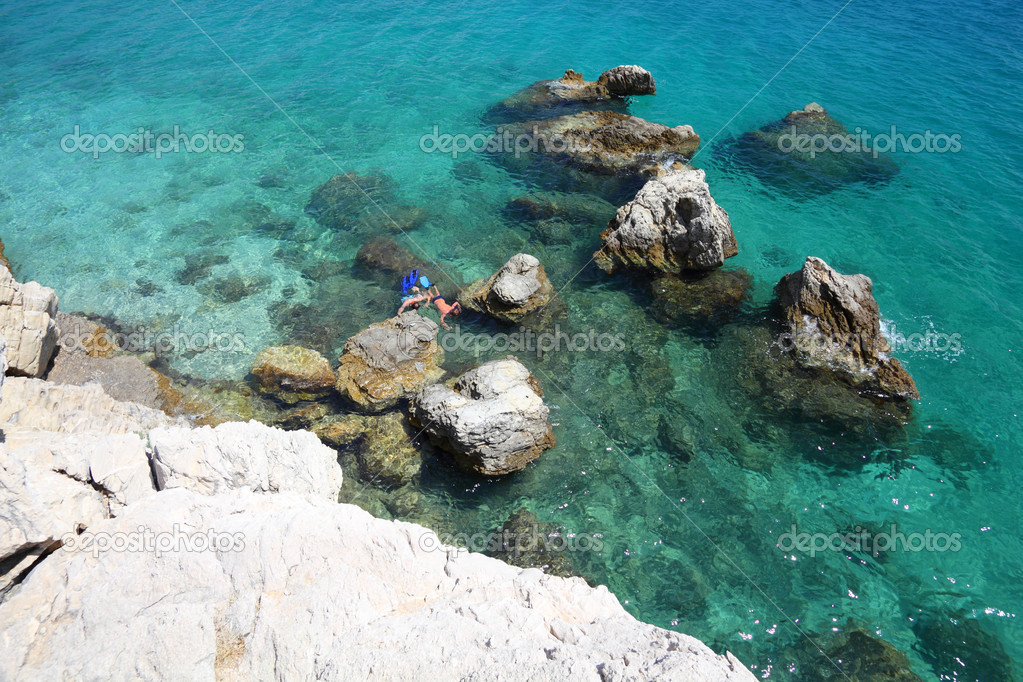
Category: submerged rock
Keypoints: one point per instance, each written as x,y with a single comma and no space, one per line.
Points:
832,323
672,225
369,202
600,142
390,360
28,314
701,297
796,154
293,373
231,289
513,292
199,267
960,648
574,208
387,455
493,419
854,654
572,89
525,542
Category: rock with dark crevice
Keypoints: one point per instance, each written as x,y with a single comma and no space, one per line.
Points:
672,225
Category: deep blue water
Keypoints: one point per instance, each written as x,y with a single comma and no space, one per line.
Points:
317,87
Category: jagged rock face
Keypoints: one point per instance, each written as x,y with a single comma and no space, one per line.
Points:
602,142
244,456
673,225
390,360
37,404
374,599
56,483
572,88
833,323
27,320
510,294
493,419
293,373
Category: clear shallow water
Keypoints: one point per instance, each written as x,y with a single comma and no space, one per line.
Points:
942,242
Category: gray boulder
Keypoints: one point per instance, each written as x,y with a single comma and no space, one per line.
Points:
673,225
517,289
389,360
493,419
599,142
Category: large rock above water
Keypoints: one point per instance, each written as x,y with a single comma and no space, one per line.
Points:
493,419
390,360
832,323
303,590
513,292
601,142
673,225
573,89
293,373
27,321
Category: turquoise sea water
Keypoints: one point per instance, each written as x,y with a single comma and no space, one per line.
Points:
690,520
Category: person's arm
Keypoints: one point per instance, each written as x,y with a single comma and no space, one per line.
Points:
442,322
404,304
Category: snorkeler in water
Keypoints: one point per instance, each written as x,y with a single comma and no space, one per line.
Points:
442,305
